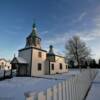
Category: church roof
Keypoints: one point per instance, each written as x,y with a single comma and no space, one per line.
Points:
32,48
51,52
19,60
34,31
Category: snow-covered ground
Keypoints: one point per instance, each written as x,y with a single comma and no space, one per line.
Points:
61,76
14,89
94,93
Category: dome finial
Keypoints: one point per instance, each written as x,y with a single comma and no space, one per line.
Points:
14,55
51,49
34,25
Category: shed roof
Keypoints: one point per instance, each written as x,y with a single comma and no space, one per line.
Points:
19,60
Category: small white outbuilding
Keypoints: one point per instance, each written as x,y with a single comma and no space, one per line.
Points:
5,64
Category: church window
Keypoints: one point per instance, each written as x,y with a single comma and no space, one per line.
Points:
39,66
52,66
60,65
66,67
39,54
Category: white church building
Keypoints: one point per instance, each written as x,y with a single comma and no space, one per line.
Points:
32,60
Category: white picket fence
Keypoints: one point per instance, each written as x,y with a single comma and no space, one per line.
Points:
74,88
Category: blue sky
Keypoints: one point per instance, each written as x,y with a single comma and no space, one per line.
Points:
57,21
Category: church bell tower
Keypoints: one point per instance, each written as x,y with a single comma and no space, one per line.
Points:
33,39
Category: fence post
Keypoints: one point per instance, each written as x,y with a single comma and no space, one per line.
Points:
60,96
55,93
4,74
49,94
41,96
11,73
63,90
67,90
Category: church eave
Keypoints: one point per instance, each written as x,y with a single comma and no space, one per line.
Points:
32,48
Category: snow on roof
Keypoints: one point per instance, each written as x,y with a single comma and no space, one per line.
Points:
3,59
21,60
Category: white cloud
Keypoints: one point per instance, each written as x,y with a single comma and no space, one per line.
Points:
58,43
94,33
57,40
80,18
89,36
96,21
44,32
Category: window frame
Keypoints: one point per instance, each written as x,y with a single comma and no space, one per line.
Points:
39,65
66,66
40,54
52,66
60,66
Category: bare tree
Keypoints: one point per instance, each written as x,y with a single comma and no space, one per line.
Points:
77,50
